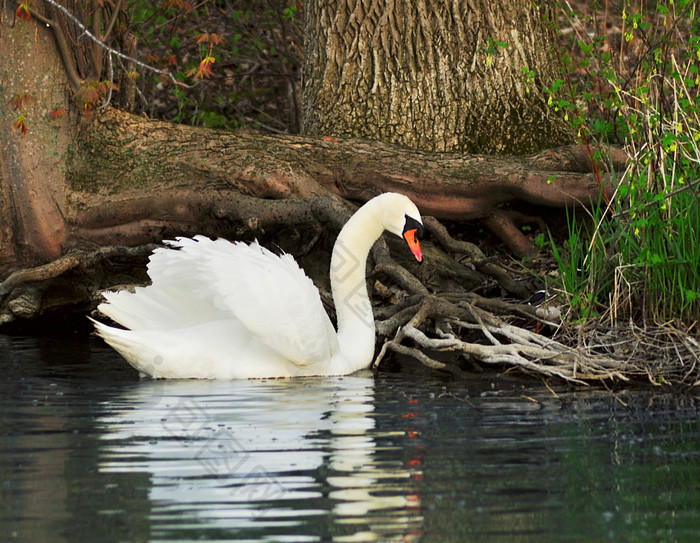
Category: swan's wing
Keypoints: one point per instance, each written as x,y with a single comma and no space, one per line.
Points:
178,297
269,294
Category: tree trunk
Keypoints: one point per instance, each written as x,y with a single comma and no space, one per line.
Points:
32,174
465,76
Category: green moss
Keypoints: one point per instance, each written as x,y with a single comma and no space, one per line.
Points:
115,165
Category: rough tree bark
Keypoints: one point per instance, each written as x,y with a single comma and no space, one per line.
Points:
465,76
32,173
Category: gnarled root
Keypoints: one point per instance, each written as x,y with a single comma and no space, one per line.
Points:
481,263
31,292
438,325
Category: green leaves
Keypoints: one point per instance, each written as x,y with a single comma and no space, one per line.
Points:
642,252
492,47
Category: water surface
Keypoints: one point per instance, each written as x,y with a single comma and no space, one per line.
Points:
90,452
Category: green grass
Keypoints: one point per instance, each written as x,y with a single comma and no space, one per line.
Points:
637,253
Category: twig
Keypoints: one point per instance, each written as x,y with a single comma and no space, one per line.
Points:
51,23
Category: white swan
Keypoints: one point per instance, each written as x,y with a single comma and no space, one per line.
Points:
222,310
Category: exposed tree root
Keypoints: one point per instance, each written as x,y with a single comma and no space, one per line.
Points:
30,293
40,273
497,342
137,219
116,179
481,263
660,354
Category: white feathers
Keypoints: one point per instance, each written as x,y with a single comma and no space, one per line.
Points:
212,305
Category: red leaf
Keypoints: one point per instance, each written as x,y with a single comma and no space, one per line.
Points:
23,12
178,4
209,38
204,69
18,101
20,124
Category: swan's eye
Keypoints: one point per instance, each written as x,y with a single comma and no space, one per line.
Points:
413,224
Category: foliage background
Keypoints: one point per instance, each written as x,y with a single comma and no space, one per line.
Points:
631,77
254,79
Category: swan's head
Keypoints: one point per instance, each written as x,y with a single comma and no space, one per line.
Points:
400,216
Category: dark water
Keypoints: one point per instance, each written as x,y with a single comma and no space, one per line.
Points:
91,453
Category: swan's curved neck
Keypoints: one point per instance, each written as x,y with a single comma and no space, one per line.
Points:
356,334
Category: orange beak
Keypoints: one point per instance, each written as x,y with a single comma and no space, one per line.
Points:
410,237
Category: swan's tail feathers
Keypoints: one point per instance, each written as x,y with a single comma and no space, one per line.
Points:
132,347
127,308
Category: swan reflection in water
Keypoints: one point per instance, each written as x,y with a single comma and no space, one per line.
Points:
300,457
